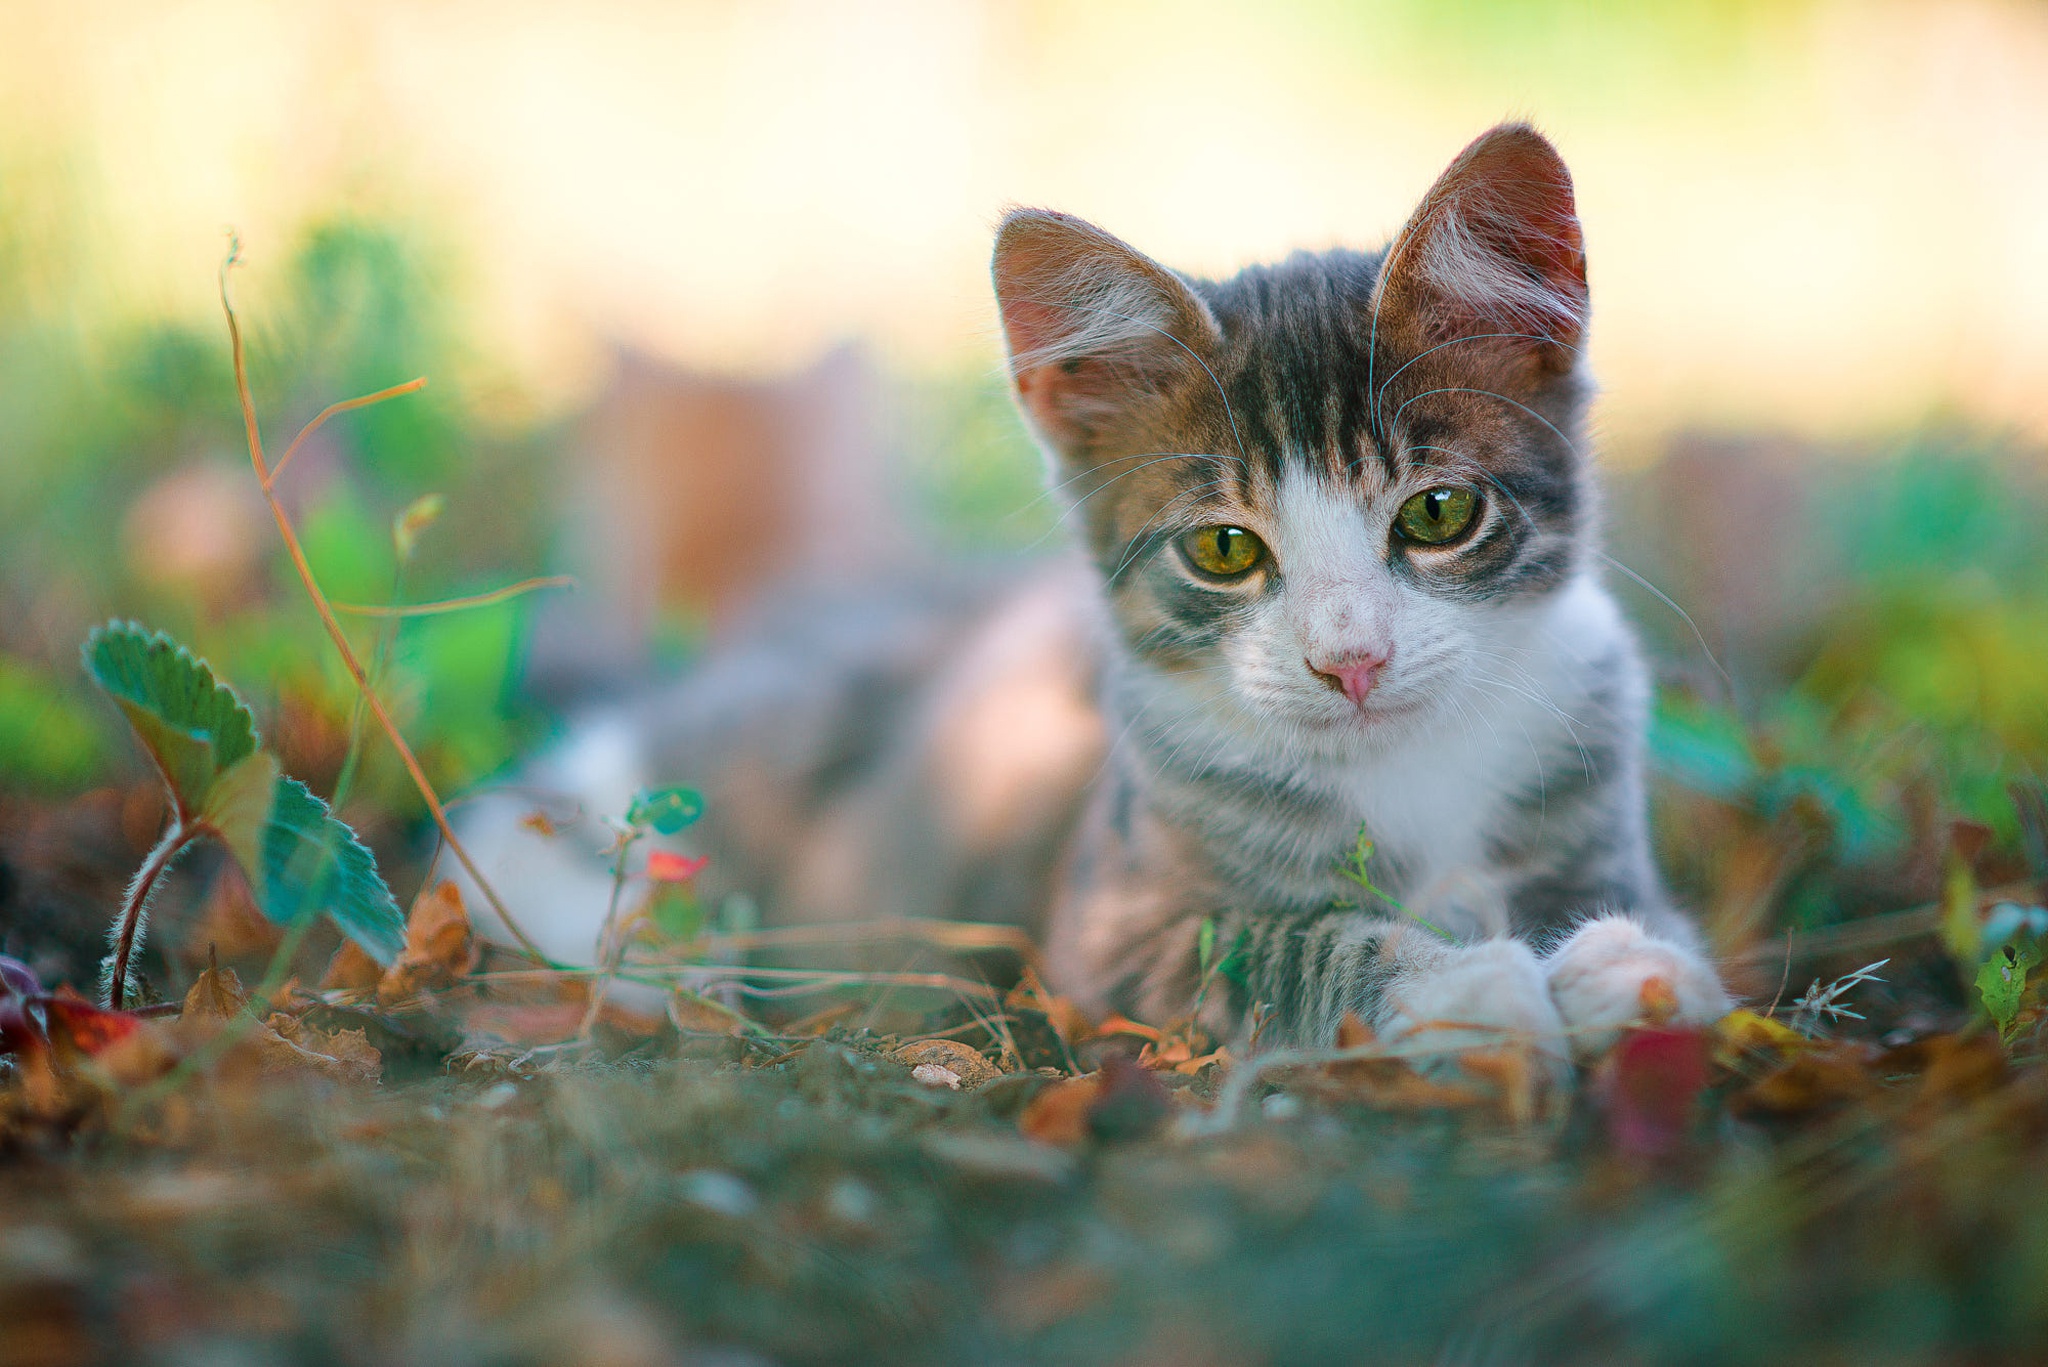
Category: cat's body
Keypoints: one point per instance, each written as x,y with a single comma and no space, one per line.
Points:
1339,576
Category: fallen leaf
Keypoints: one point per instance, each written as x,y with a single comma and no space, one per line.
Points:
115,1047
346,1055
1651,1083
439,948
1068,1021
1819,1078
537,1023
351,970
217,994
1954,1069
694,1014
1387,1083
1058,1114
1743,1033
1115,1024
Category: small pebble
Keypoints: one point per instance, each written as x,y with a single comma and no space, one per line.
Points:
1280,1106
936,1075
719,1192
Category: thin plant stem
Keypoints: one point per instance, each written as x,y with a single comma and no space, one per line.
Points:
128,926
608,953
361,401
265,479
474,600
379,659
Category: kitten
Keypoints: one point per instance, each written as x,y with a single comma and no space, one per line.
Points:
1336,573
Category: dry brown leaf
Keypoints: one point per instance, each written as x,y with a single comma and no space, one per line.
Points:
1059,1113
694,1014
351,970
1118,1024
1069,1021
1822,1077
960,1065
439,949
1389,1083
534,1024
1953,1069
346,1055
215,995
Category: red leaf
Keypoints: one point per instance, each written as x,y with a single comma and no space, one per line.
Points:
664,867
1654,1079
93,1029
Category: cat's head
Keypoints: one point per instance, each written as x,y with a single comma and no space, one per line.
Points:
1317,490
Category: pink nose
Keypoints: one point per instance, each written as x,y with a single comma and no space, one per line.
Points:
1353,675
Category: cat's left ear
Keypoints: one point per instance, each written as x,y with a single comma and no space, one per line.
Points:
1494,256
1098,332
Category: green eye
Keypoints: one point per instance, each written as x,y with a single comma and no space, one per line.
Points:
1437,515
1222,551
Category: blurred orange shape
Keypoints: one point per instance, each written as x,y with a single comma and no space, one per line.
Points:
664,867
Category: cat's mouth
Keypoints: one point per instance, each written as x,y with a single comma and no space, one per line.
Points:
1369,714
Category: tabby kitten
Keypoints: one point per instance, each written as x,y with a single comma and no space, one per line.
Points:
1337,533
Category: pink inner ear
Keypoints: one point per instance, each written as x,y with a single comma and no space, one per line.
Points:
1497,244
1094,328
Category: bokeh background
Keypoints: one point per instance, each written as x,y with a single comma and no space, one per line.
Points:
700,291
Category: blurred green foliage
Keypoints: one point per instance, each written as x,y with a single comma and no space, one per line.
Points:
100,411
49,741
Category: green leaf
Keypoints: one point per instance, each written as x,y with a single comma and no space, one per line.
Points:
2002,981
238,809
667,810
1235,966
1205,943
312,863
193,726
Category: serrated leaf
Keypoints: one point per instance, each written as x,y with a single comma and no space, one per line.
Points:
193,726
238,808
312,863
2002,981
667,810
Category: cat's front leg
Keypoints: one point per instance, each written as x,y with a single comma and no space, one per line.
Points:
1447,1000
1615,971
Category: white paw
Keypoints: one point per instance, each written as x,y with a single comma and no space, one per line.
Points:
1614,972
1485,996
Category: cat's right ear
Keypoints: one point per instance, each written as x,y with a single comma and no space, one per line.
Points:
1098,332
